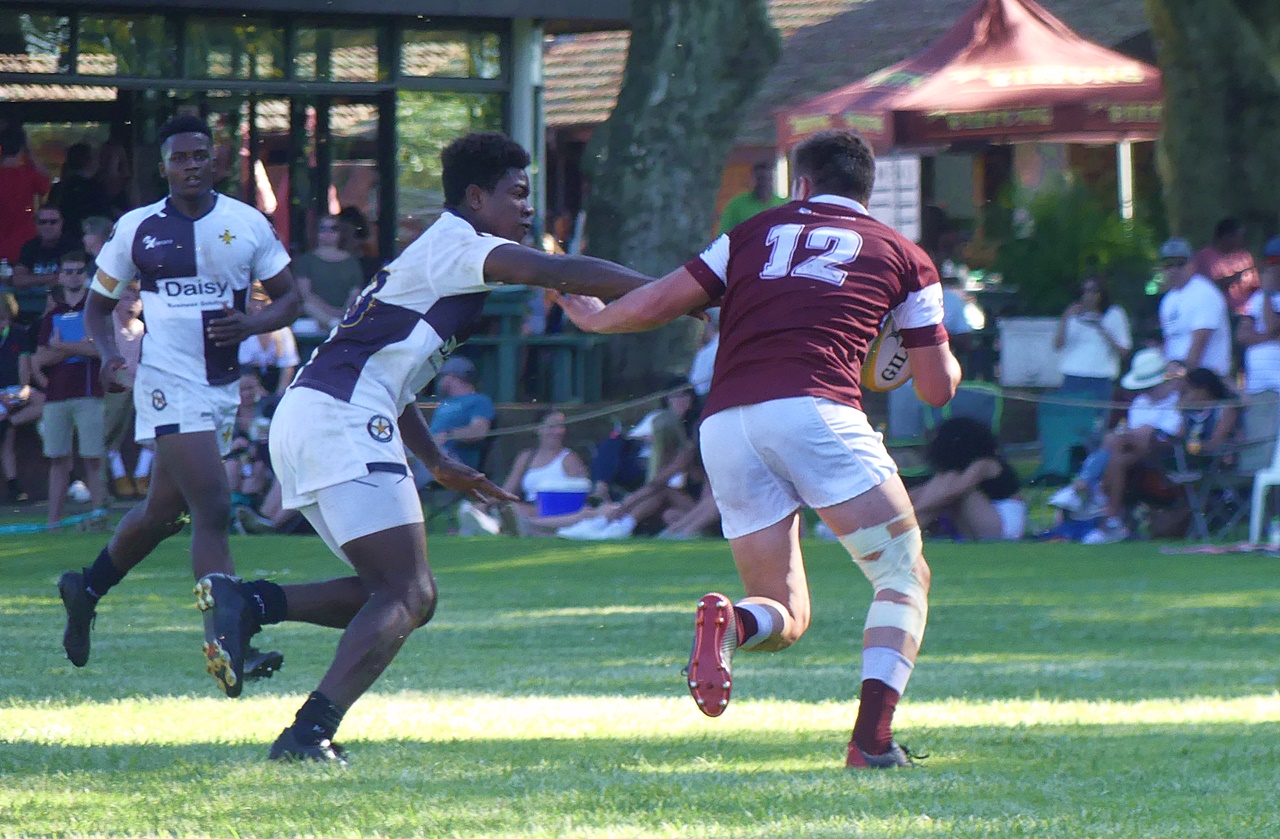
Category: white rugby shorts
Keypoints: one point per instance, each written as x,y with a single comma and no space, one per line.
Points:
166,404
317,441
766,460
379,501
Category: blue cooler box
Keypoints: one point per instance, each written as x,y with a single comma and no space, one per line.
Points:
563,497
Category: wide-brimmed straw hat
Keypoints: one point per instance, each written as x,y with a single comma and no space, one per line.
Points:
1146,370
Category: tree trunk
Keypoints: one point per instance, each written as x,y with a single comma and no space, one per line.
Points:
655,164
1217,155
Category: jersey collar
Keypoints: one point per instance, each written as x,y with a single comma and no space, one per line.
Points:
841,201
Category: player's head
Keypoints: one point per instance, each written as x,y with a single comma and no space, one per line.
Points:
186,156
72,271
485,182
835,162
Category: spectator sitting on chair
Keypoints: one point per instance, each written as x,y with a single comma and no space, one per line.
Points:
1153,421
550,464
973,486
462,420
20,403
1259,334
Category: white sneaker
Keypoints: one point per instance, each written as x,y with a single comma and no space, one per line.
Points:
1066,499
585,529
1111,530
620,529
472,521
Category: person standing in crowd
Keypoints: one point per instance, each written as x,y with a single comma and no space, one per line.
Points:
272,355
1227,263
464,416
805,288
35,275
1093,338
97,229
20,403
194,254
760,197
76,193
73,398
23,184
1259,334
115,170
118,411
340,434
328,275
1193,314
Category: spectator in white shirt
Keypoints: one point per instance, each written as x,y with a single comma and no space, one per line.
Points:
272,355
1193,314
1259,333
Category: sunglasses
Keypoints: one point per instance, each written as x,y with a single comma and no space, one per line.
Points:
1173,263
48,221
79,270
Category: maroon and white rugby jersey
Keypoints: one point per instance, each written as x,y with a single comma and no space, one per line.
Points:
804,289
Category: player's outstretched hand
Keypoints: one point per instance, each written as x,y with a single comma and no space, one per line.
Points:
580,309
115,375
460,477
230,329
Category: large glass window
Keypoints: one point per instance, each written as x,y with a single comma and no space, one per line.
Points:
454,55
425,123
34,43
125,45
336,55
234,48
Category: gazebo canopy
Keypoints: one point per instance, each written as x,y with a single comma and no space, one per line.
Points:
1007,71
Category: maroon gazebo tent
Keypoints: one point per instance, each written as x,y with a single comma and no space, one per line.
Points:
1008,71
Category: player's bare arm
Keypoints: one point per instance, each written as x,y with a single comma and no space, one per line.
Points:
100,327
519,265
234,326
935,373
647,307
448,472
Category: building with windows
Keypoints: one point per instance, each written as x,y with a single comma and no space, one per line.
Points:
315,106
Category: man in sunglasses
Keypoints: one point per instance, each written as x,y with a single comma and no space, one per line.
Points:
35,274
1193,313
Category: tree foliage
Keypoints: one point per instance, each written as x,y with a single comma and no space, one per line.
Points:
655,164
1221,66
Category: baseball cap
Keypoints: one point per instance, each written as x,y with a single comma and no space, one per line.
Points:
1175,248
459,366
1271,250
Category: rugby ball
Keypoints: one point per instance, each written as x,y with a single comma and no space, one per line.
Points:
887,365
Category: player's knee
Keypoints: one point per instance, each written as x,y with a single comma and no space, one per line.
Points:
420,602
891,556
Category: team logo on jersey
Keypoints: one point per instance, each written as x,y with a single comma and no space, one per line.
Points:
380,428
149,242
158,401
227,236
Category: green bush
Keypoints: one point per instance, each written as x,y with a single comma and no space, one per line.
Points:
1072,235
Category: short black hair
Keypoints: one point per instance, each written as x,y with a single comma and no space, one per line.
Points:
838,161
12,140
73,256
480,158
1202,378
79,155
1227,227
958,442
183,124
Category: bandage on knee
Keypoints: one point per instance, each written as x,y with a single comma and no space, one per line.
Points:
888,555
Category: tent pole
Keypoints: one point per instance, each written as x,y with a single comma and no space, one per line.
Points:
1124,177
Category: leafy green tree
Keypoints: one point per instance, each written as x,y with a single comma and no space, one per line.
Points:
1221,66
655,164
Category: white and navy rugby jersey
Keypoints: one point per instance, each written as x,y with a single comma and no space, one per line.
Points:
396,335
187,269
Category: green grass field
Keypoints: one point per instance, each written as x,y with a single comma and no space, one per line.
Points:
1063,691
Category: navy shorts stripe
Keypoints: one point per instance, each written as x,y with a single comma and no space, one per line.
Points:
162,430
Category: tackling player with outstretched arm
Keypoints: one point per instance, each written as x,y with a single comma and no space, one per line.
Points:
803,290
340,434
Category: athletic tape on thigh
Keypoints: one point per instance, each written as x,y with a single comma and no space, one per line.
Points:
889,562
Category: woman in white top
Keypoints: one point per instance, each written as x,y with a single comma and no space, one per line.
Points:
272,355
1259,333
1093,339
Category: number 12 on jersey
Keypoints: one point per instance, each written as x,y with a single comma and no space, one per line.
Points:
839,247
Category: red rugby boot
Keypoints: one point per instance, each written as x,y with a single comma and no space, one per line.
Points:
716,635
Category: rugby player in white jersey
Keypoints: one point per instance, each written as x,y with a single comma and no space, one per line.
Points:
194,254
339,436
803,289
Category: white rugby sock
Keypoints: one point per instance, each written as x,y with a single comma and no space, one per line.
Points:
764,623
117,464
143,467
887,665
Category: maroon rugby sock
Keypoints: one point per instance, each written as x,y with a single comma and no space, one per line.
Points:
873,730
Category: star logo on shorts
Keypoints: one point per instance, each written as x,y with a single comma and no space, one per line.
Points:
227,237
157,400
380,428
